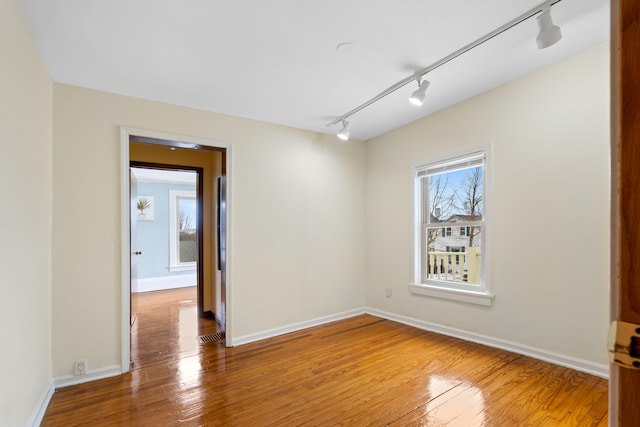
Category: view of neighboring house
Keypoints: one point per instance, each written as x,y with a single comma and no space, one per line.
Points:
456,238
454,251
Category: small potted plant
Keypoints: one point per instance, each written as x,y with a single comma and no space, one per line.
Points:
141,206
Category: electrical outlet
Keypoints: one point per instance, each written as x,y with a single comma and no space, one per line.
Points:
387,292
81,367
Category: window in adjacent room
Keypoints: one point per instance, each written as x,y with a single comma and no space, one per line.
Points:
183,245
450,195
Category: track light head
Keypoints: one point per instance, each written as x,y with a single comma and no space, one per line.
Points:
417,97
345,131
548,34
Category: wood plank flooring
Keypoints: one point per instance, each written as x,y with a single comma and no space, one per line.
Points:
166,326
363,371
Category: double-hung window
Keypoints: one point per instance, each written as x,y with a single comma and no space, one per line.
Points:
450,195
183,245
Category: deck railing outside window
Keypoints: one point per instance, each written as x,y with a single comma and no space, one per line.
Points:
454,266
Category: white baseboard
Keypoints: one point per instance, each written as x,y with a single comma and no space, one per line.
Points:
245,339
91,375
166,282
597,369
43,403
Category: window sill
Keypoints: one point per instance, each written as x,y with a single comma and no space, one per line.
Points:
470,297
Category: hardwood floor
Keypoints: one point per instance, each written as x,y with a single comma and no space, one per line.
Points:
166,326
362,371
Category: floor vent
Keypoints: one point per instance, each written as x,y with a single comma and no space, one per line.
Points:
217,337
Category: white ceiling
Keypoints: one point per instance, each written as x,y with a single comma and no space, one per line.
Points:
276,61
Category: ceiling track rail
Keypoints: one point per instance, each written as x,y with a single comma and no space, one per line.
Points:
417,75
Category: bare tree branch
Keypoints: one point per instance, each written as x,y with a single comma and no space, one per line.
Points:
184,222
469,200
441,202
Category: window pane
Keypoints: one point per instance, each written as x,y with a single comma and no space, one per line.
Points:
187,243
453,258
455,196
449,202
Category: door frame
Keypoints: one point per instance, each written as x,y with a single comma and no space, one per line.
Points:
125,250
624,383
199,220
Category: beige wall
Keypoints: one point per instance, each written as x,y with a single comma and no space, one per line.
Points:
25,221
297,220
548,208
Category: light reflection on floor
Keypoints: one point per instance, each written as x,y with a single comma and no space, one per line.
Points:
166,330
189,368
463,405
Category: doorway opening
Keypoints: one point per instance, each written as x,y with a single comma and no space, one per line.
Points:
174,259
168,284
166,229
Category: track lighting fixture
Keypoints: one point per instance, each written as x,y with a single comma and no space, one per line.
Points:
417,97
548,34
345,131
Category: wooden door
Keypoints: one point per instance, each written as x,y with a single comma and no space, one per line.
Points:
222,247
624,407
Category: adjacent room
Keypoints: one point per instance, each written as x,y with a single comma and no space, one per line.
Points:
306,213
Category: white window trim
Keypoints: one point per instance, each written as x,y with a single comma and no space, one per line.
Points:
174,265
479,298
450,290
